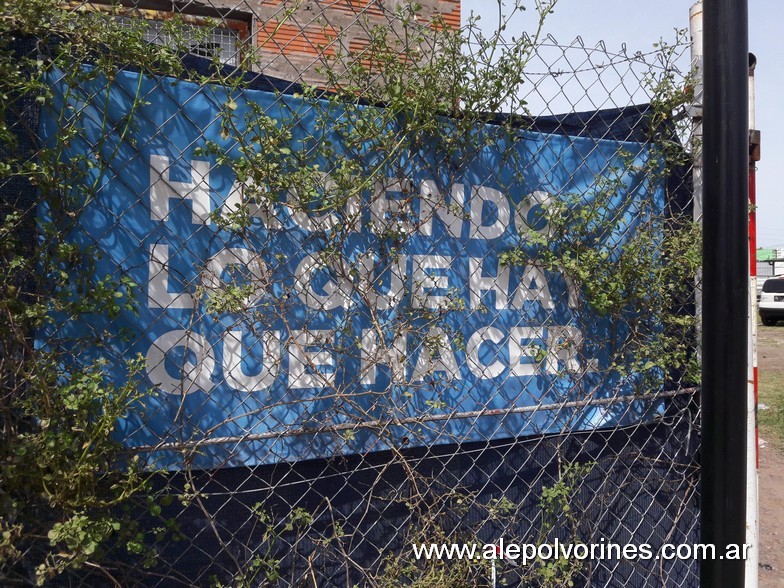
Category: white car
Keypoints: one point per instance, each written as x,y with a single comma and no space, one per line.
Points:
771,303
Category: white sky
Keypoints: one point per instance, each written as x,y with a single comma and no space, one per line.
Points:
639,25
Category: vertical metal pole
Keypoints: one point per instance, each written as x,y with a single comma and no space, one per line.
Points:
725,288
695,112
752,450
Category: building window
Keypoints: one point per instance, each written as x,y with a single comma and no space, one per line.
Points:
209,31
221,41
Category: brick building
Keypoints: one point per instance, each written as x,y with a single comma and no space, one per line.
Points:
292,45
289,39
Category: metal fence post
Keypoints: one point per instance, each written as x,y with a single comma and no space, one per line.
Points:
725,288
752,448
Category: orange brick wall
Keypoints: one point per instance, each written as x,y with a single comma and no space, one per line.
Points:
291,45
312,40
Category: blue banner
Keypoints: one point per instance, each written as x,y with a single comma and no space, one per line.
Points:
388,320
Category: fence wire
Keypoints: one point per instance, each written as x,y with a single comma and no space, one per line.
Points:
357,328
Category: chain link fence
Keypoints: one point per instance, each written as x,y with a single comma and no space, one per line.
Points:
332,305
